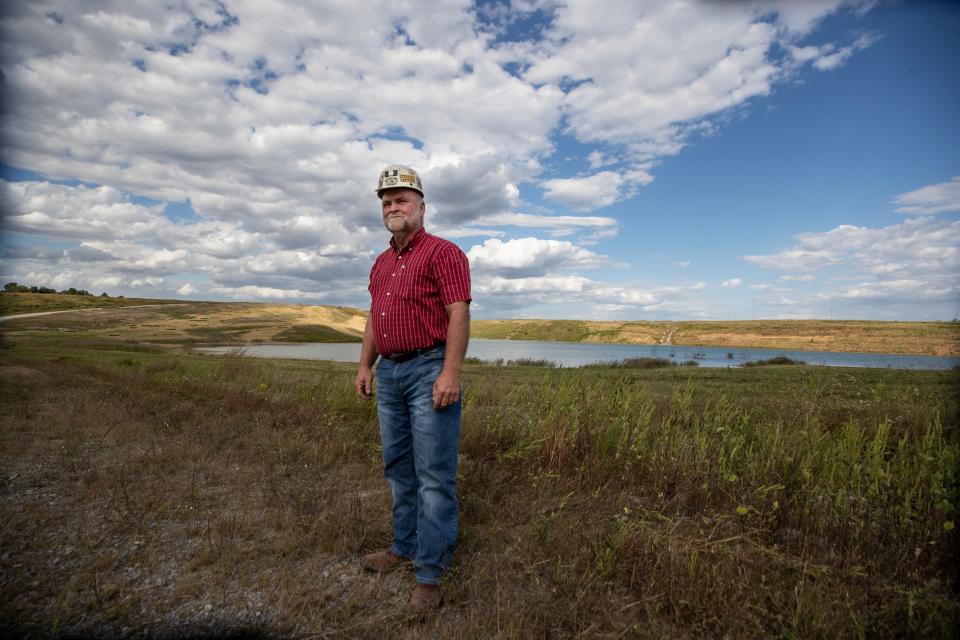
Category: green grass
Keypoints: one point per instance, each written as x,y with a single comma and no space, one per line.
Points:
12,303
518,362
640,363
314,333
605,502
776,360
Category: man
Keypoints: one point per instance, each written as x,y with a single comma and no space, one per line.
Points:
419,325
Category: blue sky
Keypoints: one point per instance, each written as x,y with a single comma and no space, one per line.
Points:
661,160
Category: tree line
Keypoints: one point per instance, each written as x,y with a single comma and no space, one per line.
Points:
13,287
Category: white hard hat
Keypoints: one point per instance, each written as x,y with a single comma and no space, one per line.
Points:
398,175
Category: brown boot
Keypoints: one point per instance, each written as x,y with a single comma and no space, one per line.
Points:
382,561
425,598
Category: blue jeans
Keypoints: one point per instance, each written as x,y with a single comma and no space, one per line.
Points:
420,462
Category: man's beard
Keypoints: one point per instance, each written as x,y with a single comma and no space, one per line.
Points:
397,223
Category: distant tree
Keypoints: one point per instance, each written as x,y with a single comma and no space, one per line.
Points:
22,288
104,295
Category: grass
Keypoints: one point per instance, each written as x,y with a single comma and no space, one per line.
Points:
929,338
640,363
776,360
205,323
242,323
518,362
15,302
314,333
177,494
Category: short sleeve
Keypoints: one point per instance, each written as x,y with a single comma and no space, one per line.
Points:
452,272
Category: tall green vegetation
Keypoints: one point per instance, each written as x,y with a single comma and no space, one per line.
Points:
606,502
13,287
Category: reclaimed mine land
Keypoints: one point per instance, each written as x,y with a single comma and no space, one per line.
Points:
179,322
148,490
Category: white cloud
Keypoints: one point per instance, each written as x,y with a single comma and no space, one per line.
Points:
598,159
642,72
511,296
732,283
187,290
251,292
800,259
915,261
895,291
149,281
272,118
921,245
80,212
582,194
937,198
526,257
557,225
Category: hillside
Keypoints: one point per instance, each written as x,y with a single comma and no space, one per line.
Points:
181,322
926,338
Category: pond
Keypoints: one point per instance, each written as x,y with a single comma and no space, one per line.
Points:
575,354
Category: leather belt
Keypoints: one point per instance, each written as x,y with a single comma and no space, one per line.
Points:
410,355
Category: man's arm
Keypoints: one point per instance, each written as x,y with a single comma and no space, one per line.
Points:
368,355
446,390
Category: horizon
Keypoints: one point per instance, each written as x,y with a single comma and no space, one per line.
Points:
472,319
698,161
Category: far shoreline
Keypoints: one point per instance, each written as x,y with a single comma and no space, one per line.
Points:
194,323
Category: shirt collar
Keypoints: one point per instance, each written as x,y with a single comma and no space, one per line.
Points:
420,233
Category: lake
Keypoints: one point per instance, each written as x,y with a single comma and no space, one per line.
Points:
575,354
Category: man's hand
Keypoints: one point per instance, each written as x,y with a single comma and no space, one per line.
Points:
446,390
364,383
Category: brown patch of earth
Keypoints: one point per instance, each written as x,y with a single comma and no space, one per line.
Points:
21,374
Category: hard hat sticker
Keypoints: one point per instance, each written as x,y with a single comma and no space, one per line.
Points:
406,178
390,181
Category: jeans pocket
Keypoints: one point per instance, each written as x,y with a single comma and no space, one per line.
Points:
433,354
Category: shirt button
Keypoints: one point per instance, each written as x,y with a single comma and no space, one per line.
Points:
392,274
388,293
383,313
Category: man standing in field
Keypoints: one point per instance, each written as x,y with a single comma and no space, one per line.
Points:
419,325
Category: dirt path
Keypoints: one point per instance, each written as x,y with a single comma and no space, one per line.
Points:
667,336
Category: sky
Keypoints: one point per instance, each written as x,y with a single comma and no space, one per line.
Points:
595,159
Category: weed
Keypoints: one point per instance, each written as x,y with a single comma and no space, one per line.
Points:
772,361
140,488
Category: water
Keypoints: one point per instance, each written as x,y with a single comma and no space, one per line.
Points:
575,354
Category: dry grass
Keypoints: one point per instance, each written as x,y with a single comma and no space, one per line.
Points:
202,323
245,323
169,494
15,302
924,338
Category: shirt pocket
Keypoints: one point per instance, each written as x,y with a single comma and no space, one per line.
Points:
418,285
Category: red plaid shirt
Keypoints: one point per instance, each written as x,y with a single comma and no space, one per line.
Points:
410,289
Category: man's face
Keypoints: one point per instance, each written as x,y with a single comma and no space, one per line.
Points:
402,209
